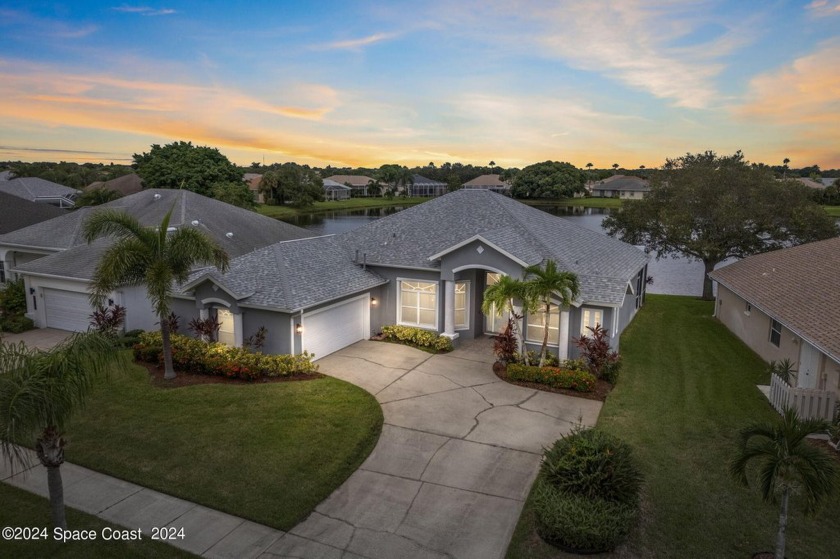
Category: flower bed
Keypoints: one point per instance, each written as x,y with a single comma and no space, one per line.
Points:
417,337
555,377
216,359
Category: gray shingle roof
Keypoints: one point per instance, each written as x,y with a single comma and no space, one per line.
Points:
292,275
797,286
250,230
409,237
332,185
17,213
420,180
31,188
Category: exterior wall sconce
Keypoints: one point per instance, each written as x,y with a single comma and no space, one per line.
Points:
110,302
298,328
32,291
373,301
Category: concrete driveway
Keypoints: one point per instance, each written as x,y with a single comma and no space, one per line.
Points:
456,459
42,338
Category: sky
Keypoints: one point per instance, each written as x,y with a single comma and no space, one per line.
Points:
350,83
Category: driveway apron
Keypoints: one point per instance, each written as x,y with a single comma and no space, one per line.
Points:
457,456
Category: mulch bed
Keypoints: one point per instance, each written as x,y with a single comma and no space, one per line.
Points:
827,447
189,379
602,387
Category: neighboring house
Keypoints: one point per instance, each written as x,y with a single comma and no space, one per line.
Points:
425,266
828,182
359,183
421,186
124,185
811,183
40,190
621,186
18,213
253,181
335,190
57,264
488,182
784,304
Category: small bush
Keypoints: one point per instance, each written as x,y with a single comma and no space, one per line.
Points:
417,337
581,381
16,324
551,360
13,299
198,357
108,320
504,344
578,523
593,464
603,361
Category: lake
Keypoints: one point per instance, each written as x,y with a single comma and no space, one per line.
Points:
670,276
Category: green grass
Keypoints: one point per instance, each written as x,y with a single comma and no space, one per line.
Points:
23,509
281,212
832,210
585,202
687,387
268,452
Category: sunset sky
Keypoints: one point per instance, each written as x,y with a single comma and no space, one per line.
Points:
366,83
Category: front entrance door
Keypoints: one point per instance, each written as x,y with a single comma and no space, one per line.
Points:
809,366
226,329
494,323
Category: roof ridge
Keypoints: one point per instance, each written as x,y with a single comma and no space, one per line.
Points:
524,225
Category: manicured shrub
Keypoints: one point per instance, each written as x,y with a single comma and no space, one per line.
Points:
108,320
593,464
13,299
579,523
199,357
16,324
595,350
417,337
555,377
504,344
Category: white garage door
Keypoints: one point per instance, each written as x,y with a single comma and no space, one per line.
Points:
67,310
333,328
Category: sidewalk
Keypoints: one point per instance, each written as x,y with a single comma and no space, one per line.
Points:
207,532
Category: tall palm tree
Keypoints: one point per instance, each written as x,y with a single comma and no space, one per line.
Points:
545,283
785,162
152,256
589,166
615,168
786,464
40,391
501,295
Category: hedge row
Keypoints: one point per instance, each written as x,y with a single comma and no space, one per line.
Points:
417,337
555,377
216,359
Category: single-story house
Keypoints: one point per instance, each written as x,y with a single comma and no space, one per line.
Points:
124,185
426,266
19,213
784,304
253,181
40,190
421,186
621,186
57,264
811,183
488,182
335,190
359,183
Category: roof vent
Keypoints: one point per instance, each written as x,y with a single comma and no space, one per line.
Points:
229,235
156,196
171,229
195,222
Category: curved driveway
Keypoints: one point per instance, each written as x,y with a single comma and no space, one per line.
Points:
453,466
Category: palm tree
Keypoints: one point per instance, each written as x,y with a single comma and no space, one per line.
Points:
543,283
501,295
785,162
589,166
615,168
155,257
40,391
786,464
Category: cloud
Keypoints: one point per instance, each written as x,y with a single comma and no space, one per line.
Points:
19,22
356,44
145,10
824,8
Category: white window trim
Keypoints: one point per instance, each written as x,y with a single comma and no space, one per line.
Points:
528,339
583,331
435,326
467,305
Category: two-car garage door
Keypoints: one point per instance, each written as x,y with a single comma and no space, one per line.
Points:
67,310
330,329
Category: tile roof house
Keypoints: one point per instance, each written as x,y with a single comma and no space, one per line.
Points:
124,185
425,266
488,182
358,183
620,186
253,181
335,190
40,190
785,304
811,183
57,264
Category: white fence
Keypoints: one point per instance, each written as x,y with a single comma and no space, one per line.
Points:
808,402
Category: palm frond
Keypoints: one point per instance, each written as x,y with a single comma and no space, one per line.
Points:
115,223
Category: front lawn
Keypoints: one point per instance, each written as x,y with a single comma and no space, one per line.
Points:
269,452
585,202
687,386
23,509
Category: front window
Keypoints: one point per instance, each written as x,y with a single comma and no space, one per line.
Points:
495,322
462,305
775,333
590,318
418,303
536,326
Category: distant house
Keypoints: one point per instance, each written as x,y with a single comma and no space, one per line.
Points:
811,183
421,186
829,182
620,186
359,183
488,182
784,304
40,190
335,190
124,185
253,181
